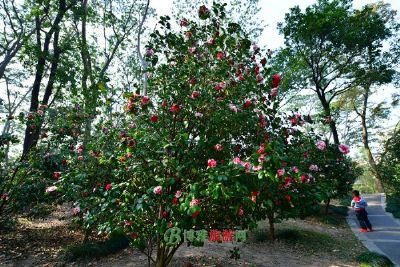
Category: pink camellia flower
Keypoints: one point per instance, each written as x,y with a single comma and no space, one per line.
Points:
194,202
276,80
220,86
261,158
313,167
154,118
127,223
195,94
178,194
281,172
80,158
192,49
240,77
212,163
218,147
211,41
233,108
344,149
149,52
261,149
75,210
80,149
247,165
259,78
295,169
198,115
57,175
321,145
184,23
40,112
241,211
175,108
145,100
108,187
237,160
257,168
220,55
274,92
158,190
51,189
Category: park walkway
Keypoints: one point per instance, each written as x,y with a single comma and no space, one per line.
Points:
385,239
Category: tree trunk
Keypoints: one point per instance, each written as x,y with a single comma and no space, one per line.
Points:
365,139
271,226
327,112
327,204
31,135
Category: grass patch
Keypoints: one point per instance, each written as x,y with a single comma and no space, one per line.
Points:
335,217
393,205
115,243
311,241
373,259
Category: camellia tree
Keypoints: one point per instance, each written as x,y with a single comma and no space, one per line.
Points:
205,149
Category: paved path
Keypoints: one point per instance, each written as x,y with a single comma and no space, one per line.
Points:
385,239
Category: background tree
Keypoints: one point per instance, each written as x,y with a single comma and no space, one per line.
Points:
323,43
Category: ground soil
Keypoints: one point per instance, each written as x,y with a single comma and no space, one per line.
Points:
41,243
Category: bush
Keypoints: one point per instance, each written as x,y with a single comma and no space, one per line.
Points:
373,259
393,204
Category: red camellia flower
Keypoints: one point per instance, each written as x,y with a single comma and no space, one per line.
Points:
288,198
175,201
192,81
195,94
184,23
247,103
165,214
195,214
204,12
220,86
57,175
134,235
145,100
220,55
263,61
276,80
303,178
108,186
212,163
175,108
154,118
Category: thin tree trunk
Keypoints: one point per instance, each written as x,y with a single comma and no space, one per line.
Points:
365,139
327,112
271,226
31,135
327,205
